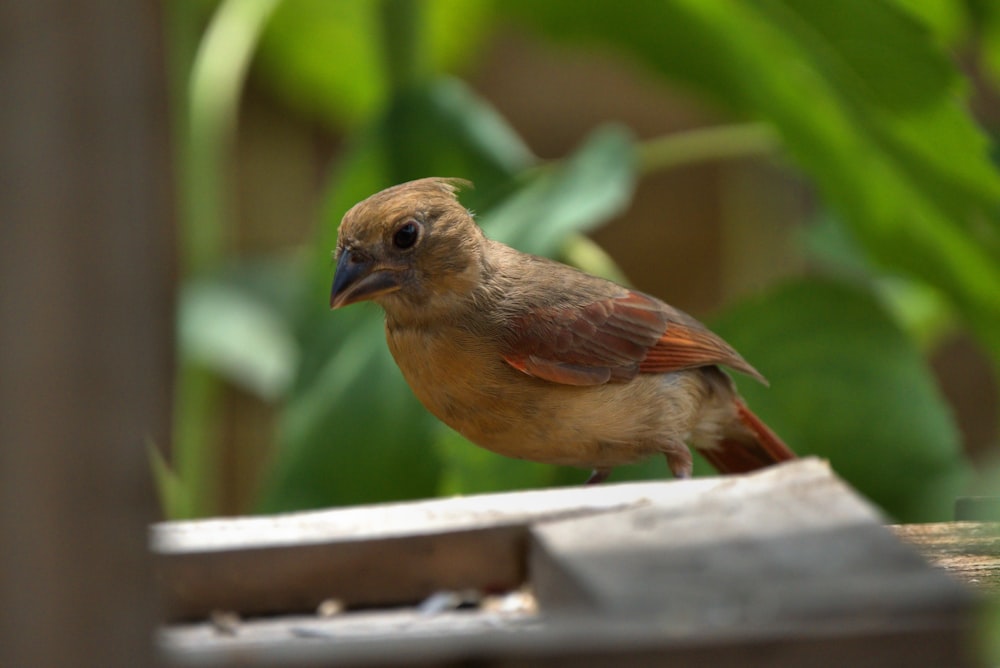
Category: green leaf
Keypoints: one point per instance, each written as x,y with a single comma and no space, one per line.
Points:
985,16
446,130
847,385
865,101
585,254
326,57
174,497
947,19
923,313
355,434
231,330
577,195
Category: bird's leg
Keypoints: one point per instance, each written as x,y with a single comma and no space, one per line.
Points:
680,462
597,476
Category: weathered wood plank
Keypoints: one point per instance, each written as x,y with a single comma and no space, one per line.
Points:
790,545
969,551
372,555
460,639
785,567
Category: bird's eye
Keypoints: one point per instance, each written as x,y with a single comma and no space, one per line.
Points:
406,235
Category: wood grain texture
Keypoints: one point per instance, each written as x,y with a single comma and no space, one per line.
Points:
969,551
785,567
371,555
790,546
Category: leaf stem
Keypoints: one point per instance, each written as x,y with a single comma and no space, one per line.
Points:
217,75
705,144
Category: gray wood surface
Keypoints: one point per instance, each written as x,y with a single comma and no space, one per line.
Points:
786,567
788,547
371,555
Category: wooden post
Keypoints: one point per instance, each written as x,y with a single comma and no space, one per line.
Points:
85,326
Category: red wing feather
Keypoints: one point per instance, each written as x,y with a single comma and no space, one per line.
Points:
602,341
686,344
566,374
614,339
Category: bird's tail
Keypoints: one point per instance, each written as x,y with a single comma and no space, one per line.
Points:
748,447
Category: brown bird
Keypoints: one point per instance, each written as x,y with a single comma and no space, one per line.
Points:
533,359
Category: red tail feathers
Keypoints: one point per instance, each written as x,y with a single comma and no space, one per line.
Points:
753,449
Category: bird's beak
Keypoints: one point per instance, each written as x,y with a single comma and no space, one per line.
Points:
357,279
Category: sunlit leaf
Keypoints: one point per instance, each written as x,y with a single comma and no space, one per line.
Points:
585,190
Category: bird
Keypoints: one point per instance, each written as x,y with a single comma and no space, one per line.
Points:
533,359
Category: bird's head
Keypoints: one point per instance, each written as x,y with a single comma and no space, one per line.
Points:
410,248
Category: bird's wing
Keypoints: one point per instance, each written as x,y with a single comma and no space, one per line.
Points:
613,340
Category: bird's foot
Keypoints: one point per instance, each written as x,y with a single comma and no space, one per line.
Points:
598,476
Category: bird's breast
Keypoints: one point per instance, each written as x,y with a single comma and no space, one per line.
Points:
462,379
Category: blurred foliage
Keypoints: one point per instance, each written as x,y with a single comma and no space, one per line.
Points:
860,95
896,427
864,101
325,57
